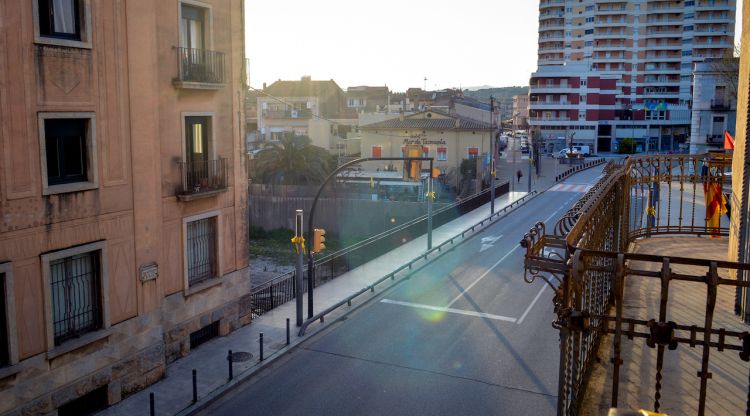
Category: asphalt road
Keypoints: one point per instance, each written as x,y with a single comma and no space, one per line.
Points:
464,336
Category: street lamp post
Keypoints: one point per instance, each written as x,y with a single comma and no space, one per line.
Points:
492,155
310,222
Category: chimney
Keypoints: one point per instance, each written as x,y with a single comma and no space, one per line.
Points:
307,78
458,123
401,115
264,85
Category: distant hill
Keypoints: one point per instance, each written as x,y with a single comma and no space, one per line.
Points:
504,94
483,87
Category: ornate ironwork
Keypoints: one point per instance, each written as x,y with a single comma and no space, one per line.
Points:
586,261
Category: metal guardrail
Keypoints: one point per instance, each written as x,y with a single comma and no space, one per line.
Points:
578,168
586,263
281,289
424,256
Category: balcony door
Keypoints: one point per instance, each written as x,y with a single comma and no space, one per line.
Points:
193,30
197,139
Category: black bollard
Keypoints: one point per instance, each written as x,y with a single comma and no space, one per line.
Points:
287,331
195,386
152,409
229,359
261,346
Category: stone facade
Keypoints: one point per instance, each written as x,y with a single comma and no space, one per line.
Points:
739,249
129,199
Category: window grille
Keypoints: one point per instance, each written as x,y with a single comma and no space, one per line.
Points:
201,250
76,304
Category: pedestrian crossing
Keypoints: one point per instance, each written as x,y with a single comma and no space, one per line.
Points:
572,187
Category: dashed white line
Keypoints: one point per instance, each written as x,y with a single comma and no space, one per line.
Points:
451,310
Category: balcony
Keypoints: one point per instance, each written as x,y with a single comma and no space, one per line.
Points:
287,114
199,69
720,105
202,179
715,139
643,297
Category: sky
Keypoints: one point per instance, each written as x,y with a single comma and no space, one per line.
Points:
397,43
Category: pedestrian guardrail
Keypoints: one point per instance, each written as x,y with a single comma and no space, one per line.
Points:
577,168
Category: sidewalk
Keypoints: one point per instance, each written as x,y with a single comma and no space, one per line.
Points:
173,394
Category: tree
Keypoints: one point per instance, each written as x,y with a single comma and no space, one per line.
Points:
627,146
293,161
727,69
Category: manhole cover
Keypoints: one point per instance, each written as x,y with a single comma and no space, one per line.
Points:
241,356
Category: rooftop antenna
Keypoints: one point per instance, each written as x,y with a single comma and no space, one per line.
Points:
425,83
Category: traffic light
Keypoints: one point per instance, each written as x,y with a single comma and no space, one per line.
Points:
318,240
413,168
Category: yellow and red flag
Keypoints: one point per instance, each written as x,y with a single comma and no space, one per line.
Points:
728,141
716,206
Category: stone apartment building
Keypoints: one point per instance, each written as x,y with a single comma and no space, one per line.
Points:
123,198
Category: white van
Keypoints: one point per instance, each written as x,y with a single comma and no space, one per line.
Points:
582,150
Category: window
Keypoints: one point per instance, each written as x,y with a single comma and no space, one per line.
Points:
62,22
74,279
377,151
60,19
192,26
442,154
201,252
68,152
8,354
197,138
4,345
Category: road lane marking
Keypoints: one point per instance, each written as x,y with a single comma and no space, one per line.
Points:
488,242
526,312
460,295
450,310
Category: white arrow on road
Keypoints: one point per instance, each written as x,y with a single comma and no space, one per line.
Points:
487,242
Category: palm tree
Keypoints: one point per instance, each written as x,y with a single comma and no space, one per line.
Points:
293,161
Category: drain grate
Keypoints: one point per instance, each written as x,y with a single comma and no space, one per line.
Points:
241,356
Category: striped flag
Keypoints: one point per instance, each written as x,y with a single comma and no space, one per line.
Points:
728,141
716,206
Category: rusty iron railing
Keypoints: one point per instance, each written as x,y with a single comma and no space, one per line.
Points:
586,262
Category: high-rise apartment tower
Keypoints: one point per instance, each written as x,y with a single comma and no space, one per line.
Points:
615,69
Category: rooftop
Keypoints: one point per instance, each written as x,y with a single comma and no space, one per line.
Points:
424,121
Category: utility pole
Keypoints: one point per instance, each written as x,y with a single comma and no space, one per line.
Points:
492,155
299,245
531,158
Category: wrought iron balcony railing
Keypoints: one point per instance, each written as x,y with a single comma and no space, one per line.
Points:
202,178
720,104
587,262
200,66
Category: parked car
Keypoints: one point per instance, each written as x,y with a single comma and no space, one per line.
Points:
565,153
